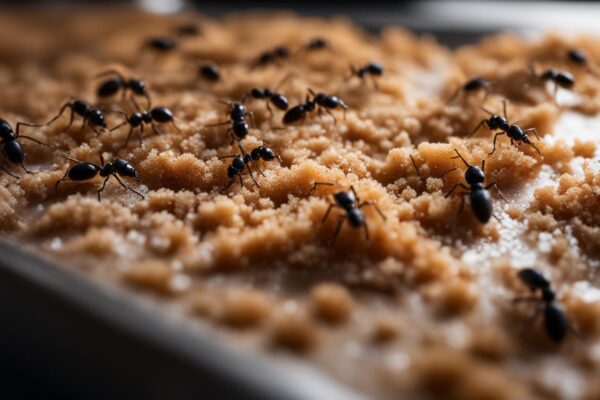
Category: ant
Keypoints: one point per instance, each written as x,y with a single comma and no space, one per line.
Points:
561,79
152,115
513,131
371,69
161,44
349,202
271,96
242,161
111,86
320,100
315,44
472,86
237,117
92,116
271,56
210,72
556,321
481,201
12,149
84,171
578,57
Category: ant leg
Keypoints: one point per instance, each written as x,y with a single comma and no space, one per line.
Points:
25,169
453,96
320,183
372,204
228,185
504,109
174,125
374,81
461,157
447,172
128,137
520,299
269,109
462,186
251,114
332,116
534,132
341,220
258,168
119,125
34,140
217,124
495,137
57,116
129,187
327,213
366,228
415,165
476,128
251,175
498,190
155,129
3,168
357,199
141,136
462,204
64,178
555,94
534,147
103,186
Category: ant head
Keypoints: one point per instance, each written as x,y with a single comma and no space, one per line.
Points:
96,118
533,278
257,93
345,199
137,86
80,107
6,130
281,51
497,121
474,175
577,56
549,74
548,295
317,43
375,68
565,79
237,110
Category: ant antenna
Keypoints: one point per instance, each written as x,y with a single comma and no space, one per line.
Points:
461,157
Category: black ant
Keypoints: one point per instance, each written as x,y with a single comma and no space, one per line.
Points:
237,117
242,161
92,116
84,171
513,131
161,115
472,86
12,149
349,202
118,82
481,201
270,56
320,100
561,79
370,70
271,96
210,72
556,321
161,44
578,57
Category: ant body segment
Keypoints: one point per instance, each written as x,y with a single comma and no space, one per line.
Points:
481,201
350,203
500,123
210,72
371,70
12,150
267,57
320,101
472,86
84,171
556,322
239,128
560,79
118,82
161,115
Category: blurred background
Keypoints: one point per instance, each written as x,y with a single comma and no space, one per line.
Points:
452,22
